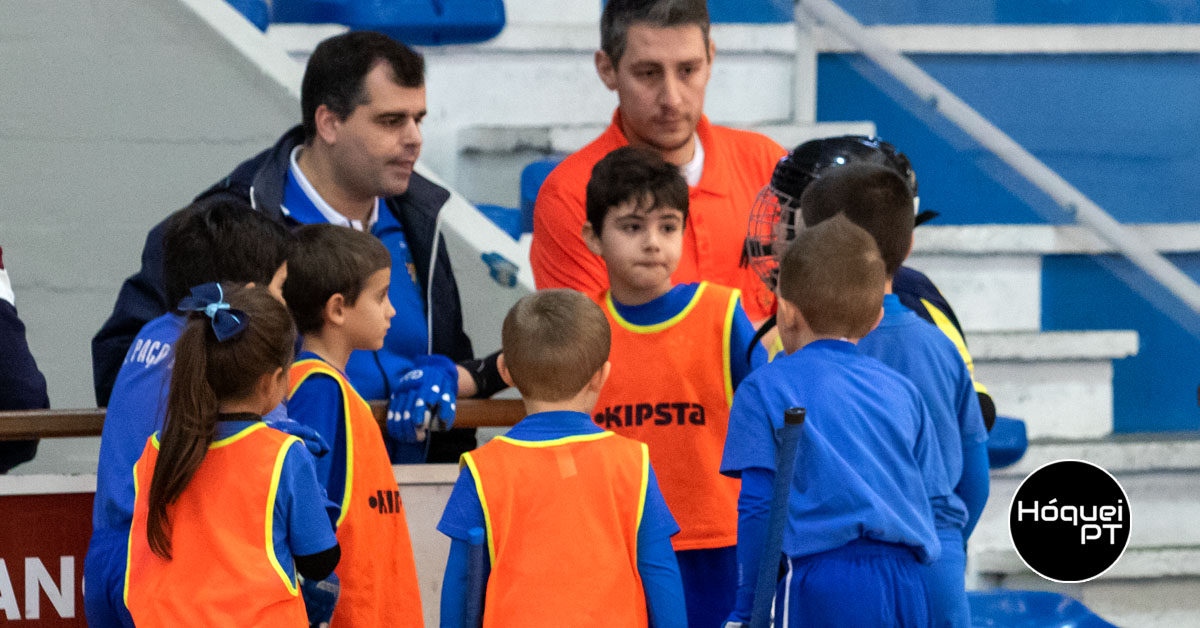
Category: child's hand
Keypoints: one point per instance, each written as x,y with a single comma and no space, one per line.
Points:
312,439
427,391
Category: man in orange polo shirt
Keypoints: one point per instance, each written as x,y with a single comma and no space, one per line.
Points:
657,56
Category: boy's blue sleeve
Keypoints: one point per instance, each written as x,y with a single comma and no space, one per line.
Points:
974,486
750,440
303,503
317,403
741,335
463,509
754,508
656,561
454,586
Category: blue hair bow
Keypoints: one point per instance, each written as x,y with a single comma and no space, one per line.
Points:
210,299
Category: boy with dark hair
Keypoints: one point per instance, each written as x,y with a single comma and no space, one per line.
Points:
877,200
577,531
657,56
679,351
206,242
859,516
338,279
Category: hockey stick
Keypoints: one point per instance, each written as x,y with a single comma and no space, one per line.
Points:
477,575
768,567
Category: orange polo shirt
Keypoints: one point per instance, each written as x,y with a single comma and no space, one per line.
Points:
737,164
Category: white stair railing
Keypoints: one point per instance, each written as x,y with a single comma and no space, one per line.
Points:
943,101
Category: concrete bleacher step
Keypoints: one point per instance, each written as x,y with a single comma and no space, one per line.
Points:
1059,383
1149,585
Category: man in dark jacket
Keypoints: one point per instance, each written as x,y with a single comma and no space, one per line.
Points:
22,386
351,163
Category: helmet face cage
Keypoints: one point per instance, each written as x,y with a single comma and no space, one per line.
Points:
774,222
775,218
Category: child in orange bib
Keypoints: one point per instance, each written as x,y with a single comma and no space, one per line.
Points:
577,531
337,289
678,353
216,477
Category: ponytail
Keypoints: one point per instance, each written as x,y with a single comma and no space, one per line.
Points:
215,361
191,424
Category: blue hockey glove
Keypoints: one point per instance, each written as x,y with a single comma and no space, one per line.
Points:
312,439
320,598
428,391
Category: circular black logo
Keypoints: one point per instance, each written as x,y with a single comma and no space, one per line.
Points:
1069,521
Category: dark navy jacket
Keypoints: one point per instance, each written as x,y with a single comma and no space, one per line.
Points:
260,180
22,386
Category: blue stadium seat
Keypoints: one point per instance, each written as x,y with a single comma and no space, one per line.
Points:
255,10
507,218
428,22
1007,442
1030,609
531,181
415,22
307,11
750,11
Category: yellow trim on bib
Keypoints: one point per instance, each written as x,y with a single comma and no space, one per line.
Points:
726,337
657,327
325,369
642,493
487,515
582,438
229,440
293,584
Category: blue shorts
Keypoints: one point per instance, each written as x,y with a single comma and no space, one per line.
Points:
709,584
862,584
946,581
104,580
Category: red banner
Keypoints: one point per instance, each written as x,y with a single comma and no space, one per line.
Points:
43,539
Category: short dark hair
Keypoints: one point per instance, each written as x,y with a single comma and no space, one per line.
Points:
834,274
328,260
339,65
224,240
633,173
619,15
553,342
873,197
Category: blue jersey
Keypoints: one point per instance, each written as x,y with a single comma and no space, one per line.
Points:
408,336
318,404
924,355
135,411
870,463
301,526
669,305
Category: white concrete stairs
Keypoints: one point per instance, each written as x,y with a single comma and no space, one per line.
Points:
1155,582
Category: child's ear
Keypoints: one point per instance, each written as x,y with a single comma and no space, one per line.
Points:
597,382
911,243
502,366
878,320
591,237
335,309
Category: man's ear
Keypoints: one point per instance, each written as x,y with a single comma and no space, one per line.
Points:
335,309
606,69
591,238
502,366
327,123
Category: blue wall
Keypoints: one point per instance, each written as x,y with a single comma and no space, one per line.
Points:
1155,390
1021,11
1124,129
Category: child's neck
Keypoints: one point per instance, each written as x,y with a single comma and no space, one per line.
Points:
887,286
329,346
534,406
628,295
810,337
